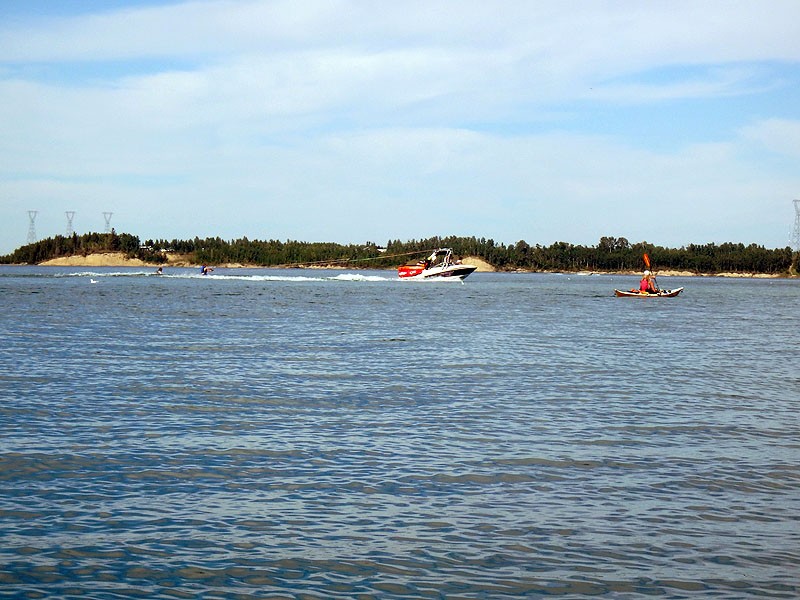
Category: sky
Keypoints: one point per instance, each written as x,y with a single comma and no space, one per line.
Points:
673,122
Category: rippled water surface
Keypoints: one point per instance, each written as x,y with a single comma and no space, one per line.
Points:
318,434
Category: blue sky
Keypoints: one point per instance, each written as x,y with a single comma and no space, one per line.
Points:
349,121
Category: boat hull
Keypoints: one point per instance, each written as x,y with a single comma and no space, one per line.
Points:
439,265
416,272
636,294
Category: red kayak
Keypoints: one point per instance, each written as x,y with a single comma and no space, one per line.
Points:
638,294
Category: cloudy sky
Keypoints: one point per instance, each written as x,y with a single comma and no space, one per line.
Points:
368,120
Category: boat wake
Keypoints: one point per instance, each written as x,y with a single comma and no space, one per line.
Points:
217,276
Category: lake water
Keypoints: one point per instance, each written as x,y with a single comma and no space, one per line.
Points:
334,434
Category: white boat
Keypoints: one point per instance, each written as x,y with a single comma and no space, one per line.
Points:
440,264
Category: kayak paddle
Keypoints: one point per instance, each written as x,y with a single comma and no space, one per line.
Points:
647,264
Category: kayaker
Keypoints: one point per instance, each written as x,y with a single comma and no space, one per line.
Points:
647,285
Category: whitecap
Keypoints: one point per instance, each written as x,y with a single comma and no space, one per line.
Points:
357,277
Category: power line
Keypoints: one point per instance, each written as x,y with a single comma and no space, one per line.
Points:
796,234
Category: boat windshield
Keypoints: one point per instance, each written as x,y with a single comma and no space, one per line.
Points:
441,257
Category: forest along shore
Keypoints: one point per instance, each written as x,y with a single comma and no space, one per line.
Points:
118,259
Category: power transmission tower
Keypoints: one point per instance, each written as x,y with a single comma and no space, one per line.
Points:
796,234
107,217
32,226
70,214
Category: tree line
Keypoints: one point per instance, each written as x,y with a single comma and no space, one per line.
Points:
82,245
610,253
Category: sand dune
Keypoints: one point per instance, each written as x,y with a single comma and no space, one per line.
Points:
106,259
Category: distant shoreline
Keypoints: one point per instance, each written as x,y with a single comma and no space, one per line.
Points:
118,259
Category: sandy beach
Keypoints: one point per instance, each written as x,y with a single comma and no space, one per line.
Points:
109,259
118,259
483,266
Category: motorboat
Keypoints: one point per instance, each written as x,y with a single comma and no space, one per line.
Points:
440,264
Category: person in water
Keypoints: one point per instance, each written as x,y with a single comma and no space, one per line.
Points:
159,271
647,285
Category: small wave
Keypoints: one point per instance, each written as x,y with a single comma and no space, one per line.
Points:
358,277
225,277
250,277
300,278
104,274
430,280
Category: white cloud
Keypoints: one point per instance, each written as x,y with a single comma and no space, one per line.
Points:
266,118
414,183
560,37
781,136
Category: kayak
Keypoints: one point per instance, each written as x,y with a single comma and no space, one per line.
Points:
638,294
